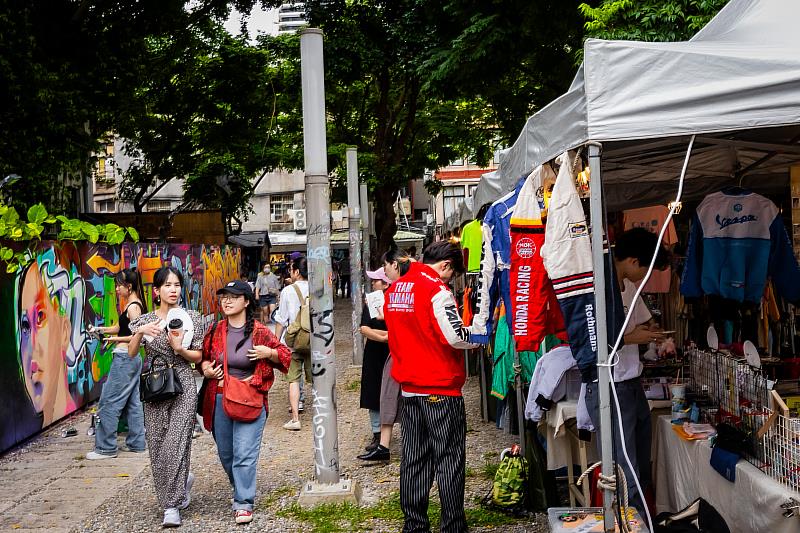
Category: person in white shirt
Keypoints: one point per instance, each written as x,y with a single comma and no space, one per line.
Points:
632,254
287,311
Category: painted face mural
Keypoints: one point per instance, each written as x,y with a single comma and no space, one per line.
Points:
51,336
49,365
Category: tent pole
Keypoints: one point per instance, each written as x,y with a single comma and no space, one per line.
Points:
520,402
596,214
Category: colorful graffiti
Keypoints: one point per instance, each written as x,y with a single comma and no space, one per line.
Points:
49,365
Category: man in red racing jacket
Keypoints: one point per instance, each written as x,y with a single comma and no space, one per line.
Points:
426,339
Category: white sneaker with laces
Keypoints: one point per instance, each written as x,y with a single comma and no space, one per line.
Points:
172,518
94,456
188,498
292,425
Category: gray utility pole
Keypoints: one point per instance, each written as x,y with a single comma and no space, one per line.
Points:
354,219
365,223
596,214
323,364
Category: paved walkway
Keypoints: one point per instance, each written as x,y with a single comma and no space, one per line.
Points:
48,485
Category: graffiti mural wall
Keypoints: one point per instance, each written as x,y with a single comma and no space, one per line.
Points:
49,365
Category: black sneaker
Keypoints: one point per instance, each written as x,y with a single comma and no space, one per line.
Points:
378,454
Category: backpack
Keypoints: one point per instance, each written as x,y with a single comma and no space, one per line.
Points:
298,334
508,489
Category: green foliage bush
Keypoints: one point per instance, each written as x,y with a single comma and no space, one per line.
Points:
31,229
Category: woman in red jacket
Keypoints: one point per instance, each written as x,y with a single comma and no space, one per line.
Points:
252,352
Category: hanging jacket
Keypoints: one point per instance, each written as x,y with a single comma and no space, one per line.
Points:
471,241
548,386
426,334
495,263
535,308
567,257
737,239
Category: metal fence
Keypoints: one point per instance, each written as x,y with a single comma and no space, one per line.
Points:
728,390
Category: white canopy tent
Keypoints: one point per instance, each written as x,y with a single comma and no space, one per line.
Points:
643,100
736,85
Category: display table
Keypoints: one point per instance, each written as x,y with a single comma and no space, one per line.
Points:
682,473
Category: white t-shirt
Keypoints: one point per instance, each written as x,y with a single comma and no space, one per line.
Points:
290,305
630,366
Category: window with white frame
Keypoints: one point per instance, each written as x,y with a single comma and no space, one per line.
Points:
453,196
106,206
159,206
279,206
471,190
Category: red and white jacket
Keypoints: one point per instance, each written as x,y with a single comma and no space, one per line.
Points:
426,334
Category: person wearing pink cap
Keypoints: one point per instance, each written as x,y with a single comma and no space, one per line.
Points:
376,351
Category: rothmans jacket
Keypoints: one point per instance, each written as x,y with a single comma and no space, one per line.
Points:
426,334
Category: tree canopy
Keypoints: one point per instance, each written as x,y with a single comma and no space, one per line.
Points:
649,20
215,112
417,84
414,84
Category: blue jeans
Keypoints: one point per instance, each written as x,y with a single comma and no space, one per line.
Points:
238,445
120,397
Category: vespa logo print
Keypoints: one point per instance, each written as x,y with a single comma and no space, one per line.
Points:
526,248
738,208
725,222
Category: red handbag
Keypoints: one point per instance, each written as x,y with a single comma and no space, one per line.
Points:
240,400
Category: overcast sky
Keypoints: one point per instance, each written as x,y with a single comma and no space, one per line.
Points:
260,21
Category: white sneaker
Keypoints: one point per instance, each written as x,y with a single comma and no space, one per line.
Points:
94,456
293,425
188,498
172,518
244,517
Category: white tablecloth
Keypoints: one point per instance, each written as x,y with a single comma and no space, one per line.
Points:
561,434
683,473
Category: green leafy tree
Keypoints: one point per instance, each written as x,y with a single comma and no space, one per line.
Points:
649,20
412,84
516,55
215,113
68,70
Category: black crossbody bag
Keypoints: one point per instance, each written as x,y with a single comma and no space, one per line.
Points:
159,383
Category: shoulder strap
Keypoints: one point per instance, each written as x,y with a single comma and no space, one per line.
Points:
299,293
133,303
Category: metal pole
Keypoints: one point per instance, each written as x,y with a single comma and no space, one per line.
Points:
354,219
520,402
365,222
596,213
318,209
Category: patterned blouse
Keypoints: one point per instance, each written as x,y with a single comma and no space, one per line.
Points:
160,345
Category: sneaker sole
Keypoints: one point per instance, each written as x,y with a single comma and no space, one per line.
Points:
189,483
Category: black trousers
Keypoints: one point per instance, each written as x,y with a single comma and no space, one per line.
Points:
434,443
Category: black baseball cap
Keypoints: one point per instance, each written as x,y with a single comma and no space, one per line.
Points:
236,287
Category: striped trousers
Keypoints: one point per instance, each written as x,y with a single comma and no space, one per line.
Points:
434,443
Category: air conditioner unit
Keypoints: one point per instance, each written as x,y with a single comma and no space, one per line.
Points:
300,220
